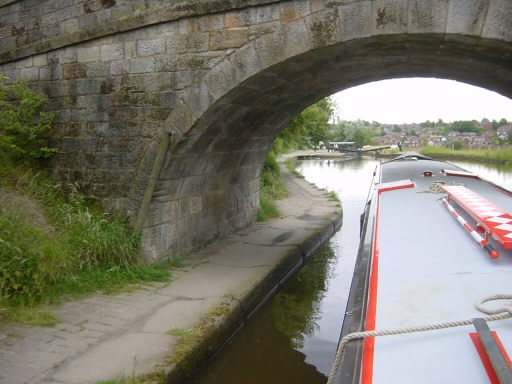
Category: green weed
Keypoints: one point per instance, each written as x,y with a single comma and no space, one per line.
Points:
80,250
178,332
192,344
271,188
23,126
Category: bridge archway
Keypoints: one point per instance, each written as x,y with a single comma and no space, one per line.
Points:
219,81
216,164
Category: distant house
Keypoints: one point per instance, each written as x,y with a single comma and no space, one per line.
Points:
503,131
487,126
431,136
413,141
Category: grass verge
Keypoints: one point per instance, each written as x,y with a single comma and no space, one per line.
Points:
503,155
54,244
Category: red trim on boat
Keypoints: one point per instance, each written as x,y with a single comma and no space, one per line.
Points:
485,359
369,342
451,172
394,185
498,188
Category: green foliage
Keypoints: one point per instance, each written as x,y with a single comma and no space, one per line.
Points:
80,250
193,344
268,208
457,145
307,129
360,132
23,125
123,380
497,124
270,165
22,250
465,126
271,188
296,307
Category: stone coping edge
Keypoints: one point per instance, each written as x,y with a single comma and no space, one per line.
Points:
170,11
242,310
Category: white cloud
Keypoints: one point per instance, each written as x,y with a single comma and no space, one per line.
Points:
416,100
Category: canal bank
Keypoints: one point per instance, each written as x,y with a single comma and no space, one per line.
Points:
147,331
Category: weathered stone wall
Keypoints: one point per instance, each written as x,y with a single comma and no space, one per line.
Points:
221,80
34,26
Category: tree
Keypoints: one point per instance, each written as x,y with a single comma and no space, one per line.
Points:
308,128
363,137
355,131
466,126
497,124
509,137
427,124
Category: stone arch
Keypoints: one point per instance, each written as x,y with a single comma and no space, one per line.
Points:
226,122
218,80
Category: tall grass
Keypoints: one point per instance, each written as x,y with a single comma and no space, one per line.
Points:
502,155
79,250
271,188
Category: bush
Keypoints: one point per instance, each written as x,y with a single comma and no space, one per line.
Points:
457,145
23,125
25,257
270,165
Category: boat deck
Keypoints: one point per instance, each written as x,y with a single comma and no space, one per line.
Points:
426,269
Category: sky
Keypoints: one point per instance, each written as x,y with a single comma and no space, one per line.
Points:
416,100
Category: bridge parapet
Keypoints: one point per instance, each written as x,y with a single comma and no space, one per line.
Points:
31,27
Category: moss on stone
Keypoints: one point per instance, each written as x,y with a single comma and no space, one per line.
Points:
193,344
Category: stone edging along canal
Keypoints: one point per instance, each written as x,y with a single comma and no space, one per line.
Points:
308,222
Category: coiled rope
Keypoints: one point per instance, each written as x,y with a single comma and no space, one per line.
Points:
496,314
435,187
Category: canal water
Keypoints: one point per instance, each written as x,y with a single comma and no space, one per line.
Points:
499,174
293,338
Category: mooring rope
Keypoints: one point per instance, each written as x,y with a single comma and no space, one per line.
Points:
435,187
496,314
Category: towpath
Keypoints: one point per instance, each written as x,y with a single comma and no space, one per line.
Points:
104,337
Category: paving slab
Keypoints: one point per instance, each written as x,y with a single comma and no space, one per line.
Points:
102,337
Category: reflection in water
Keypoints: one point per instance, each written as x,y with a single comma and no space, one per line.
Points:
260,354
266,350
296,308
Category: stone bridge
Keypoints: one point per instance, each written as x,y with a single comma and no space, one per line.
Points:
166,109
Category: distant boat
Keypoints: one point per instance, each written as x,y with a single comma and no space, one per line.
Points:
435,240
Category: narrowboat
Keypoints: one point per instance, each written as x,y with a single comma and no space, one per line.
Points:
430,300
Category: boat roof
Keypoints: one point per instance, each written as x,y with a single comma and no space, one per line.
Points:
425,268
411,155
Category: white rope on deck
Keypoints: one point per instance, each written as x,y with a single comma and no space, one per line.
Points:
496,314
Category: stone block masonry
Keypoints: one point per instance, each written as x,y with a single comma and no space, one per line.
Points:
220,79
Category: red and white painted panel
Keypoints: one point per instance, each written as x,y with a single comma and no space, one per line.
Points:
492,218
